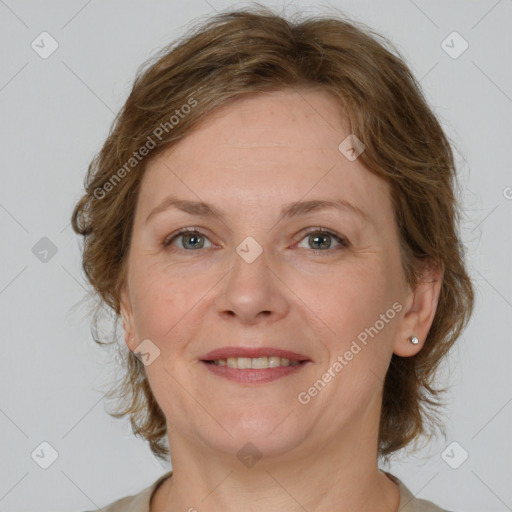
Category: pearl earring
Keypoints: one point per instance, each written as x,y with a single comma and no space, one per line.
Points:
414,340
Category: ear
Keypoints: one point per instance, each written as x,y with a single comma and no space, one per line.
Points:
419,311
128,320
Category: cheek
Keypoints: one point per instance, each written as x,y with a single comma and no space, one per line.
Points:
159,303
349,298
356,305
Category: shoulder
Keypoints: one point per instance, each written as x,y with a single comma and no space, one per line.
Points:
137,502
409,503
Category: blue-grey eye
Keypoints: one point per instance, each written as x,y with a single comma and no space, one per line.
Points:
191,240
322,240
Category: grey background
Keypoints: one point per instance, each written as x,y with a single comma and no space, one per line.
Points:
56,113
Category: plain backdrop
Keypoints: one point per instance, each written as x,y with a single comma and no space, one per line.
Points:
56,112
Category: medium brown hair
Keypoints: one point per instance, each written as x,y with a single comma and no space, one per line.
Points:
253,50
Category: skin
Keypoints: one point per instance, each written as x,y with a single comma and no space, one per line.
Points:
248,159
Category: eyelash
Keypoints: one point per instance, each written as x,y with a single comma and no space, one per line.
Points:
341,240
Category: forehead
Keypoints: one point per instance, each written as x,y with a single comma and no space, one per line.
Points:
266,150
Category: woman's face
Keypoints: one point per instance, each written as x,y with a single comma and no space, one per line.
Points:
251,277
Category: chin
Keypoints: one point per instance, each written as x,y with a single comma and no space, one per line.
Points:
270,433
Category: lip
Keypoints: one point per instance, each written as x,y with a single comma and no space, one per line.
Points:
254,376
225,352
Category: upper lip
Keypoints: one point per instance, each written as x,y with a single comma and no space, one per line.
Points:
225,352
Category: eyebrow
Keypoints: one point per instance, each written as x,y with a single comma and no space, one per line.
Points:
295,209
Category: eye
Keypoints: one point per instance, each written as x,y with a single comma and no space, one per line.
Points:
320,240
191,239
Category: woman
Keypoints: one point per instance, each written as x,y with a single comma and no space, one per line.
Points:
273,218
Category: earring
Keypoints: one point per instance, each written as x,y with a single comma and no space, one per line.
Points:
414,340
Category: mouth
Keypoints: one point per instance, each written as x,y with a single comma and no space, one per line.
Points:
254,365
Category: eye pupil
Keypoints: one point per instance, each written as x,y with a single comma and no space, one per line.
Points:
192,237
316,237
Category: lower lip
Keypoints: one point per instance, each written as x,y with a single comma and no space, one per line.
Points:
252,376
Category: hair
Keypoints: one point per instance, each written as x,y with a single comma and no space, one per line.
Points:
245,52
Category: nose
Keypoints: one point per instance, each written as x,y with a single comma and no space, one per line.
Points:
252,291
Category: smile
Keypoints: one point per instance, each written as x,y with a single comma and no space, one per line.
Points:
257,363
258,370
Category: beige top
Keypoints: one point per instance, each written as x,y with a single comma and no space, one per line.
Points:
140,502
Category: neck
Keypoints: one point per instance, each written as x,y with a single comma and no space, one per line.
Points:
341,476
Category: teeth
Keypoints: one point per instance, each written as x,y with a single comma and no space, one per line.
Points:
255,363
